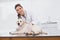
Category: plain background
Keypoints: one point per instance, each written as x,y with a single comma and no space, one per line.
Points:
42,9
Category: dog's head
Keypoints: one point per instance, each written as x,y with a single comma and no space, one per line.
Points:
21,21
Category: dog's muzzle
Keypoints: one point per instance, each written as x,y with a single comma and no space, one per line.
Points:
18,23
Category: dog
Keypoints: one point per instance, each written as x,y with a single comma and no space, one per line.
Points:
29,29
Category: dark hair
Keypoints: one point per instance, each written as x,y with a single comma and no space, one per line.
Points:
18,5
19,16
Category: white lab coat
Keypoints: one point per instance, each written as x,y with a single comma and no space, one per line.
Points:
31,18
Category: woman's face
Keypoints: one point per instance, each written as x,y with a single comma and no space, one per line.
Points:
20,10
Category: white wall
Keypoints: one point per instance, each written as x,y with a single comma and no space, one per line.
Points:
46,9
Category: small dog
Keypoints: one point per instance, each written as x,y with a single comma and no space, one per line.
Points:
27,28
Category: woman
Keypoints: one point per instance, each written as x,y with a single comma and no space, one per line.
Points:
21,12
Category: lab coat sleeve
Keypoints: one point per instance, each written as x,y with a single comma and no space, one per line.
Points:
33,18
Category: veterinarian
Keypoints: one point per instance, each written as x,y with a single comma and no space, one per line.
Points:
27,16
